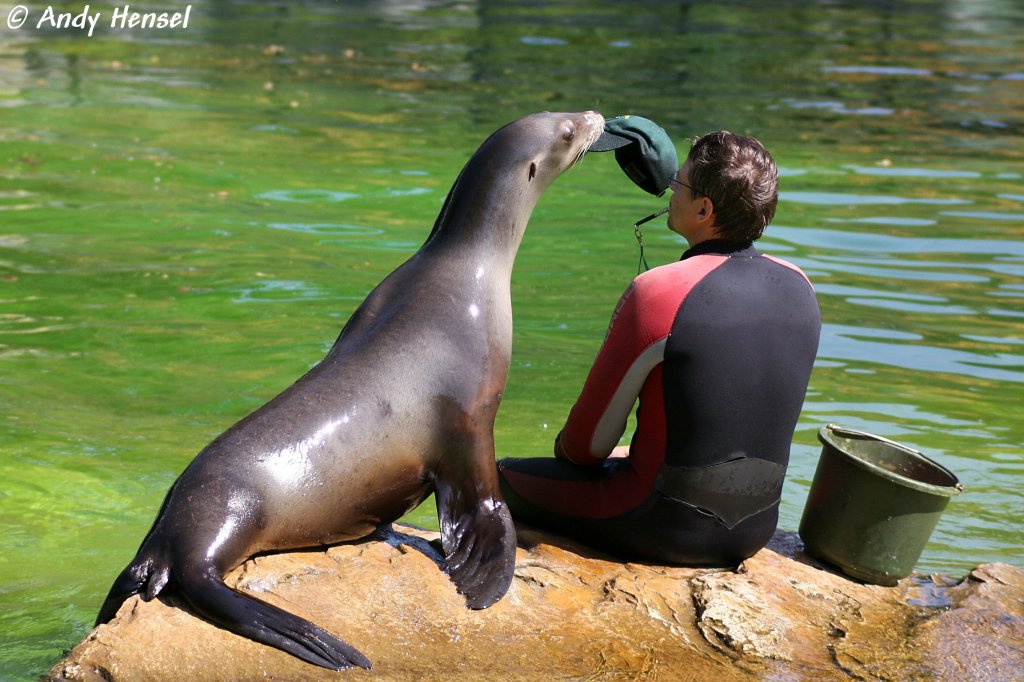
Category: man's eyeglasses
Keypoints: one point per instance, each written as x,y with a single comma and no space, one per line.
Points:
674,180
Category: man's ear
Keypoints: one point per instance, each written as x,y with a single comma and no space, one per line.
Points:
707,209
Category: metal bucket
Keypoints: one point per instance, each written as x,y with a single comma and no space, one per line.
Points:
873,505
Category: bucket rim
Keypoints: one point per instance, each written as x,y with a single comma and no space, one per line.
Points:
825,436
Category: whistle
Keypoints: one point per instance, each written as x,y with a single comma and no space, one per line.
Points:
650,217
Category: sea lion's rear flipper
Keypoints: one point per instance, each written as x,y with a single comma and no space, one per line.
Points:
145,576
477,535
209,597
388,534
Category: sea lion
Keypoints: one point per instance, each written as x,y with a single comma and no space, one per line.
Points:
401,406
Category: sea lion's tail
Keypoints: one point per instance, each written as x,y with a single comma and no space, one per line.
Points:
206,594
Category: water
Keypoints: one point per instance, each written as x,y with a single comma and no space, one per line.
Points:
188,218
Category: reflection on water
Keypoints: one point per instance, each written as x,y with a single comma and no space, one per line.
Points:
306,195
188,219
913,172
884,244
327,229
905,350
986,215
836,199
278,291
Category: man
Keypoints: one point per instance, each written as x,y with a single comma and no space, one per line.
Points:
718,348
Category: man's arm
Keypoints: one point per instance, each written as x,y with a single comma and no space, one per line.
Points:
633,346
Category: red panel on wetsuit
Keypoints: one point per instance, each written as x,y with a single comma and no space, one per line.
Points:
642,319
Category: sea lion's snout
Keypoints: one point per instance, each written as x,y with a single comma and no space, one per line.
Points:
582,129
593,127
594,119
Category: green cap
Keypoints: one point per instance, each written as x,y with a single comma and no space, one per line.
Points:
643,149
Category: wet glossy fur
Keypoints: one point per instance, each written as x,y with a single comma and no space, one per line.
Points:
403,405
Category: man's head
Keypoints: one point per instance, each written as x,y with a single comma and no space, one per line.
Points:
730,180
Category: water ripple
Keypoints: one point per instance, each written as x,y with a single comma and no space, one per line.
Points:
885,243
307,195
16,323
894,348
999,340
906,307
911,172
888,271
843,290
327,229
904,411
839,108
886,220
278,291
879,70
405,192
541,40
985,215
843,199
390,245
901,301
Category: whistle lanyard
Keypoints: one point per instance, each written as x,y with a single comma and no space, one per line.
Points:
642,266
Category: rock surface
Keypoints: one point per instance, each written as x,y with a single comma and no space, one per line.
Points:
574,614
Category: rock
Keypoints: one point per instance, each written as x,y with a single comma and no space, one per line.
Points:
572,613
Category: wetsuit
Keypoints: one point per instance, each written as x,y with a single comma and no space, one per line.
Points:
718,348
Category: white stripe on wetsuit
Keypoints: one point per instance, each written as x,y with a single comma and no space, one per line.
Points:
612,424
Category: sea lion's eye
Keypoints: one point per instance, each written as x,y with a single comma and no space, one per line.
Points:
570,132
533,170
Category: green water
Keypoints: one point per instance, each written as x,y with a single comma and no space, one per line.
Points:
188,218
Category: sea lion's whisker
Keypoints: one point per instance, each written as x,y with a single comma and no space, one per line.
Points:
578,158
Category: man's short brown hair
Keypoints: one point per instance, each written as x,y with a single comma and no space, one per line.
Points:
740,177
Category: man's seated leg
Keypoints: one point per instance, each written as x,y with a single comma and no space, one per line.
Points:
583,503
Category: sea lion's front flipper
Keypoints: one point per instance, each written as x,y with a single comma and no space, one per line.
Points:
477,534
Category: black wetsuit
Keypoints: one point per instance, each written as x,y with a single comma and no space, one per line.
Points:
718,348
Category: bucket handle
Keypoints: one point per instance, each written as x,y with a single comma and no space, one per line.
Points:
843,431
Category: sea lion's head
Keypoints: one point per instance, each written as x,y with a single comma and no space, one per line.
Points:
515,165
561,140
529,153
